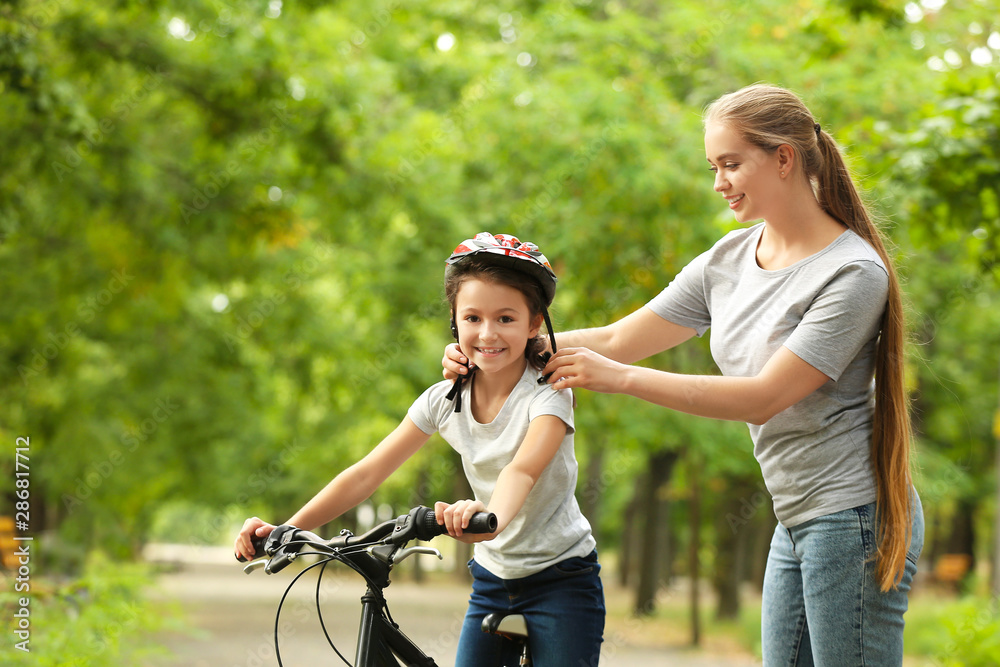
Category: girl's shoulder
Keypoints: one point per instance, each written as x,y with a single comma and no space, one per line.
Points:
543,399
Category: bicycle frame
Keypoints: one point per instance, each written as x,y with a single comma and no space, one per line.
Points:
380,642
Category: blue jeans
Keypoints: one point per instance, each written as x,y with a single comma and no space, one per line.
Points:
822,604
563,607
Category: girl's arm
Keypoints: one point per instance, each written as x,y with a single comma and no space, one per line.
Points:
641,334
360,481
541,442
347,489
784,381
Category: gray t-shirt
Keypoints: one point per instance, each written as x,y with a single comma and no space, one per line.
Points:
550,526
816,455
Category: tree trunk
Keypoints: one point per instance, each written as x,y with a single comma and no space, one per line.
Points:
735,521
661,466
629,537
694,547
761,546
593,488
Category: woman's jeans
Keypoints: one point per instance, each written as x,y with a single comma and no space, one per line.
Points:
563,607
822,604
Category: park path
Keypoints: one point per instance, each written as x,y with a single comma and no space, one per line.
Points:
232,616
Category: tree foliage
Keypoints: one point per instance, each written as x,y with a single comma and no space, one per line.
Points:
223,226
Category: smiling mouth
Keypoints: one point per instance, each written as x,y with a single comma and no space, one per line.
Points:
734,201
490,350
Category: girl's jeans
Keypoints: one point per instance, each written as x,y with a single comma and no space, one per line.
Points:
563,607
822,604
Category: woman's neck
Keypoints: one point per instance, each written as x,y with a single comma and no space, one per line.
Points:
801,230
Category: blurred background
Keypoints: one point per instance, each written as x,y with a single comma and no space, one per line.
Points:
222,232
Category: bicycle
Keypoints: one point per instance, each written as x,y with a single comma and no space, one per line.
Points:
373,554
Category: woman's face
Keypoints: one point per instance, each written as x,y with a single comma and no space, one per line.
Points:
747,176
494,324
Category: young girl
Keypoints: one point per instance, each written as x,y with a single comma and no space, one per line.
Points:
515,437
806,320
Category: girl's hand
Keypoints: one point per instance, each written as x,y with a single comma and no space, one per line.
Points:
251,527
455,518
454,362
573,367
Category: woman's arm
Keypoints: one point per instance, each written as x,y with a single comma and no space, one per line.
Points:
784,381
347,489
636,336
517,479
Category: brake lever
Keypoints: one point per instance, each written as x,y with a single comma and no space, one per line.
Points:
403,554
255,565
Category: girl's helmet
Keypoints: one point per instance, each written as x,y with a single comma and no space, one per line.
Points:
506,251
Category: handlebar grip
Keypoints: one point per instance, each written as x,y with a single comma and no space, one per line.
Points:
480,522
258,548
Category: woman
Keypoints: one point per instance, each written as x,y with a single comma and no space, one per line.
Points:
806,310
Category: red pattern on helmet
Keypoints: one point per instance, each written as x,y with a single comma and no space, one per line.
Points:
504,244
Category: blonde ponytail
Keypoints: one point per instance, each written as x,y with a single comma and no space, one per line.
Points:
891,435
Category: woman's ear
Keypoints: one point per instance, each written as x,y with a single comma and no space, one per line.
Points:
786,159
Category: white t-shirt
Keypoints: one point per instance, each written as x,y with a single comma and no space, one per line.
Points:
815,456
550,526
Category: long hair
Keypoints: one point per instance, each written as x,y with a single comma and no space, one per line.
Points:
767,117
474,268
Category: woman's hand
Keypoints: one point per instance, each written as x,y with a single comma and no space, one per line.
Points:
252,527
455,518
579,367
454,362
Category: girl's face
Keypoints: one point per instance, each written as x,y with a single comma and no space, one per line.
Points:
494,324
747,176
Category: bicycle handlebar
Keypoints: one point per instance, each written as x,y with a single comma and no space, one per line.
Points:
420,524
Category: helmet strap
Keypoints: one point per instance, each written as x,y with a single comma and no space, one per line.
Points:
455,394
552,343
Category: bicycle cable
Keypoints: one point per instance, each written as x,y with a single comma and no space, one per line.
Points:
277,615
319,612
328,557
